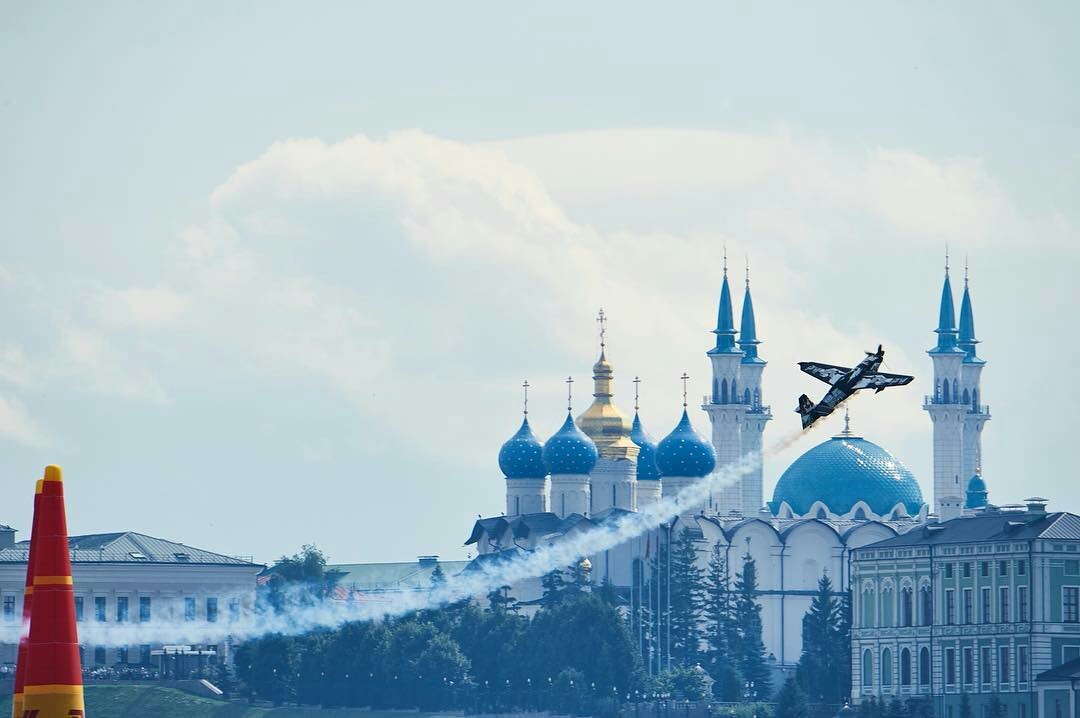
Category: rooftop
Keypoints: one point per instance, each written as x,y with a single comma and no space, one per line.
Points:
403,576
993,525
129,547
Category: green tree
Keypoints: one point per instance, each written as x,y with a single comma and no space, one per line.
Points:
553,584
301,578
824,667
438,578
686,600
721,636
440,665
791,701
355,658
500,600
750,651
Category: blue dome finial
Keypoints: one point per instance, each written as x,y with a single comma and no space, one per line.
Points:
570,450
977,494
725,320
967,340
684,452
748,340
521,457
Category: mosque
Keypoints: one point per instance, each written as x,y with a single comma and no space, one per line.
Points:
842,494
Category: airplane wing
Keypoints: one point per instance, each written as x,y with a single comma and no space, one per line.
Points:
826,372
881,381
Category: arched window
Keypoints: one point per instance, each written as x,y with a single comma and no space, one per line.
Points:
746,396
906,607
924,666
937,390
905,667
715,391
723,391
822,514
867,668
945,393
955,390
868,608
967,396
614,500
517,506
886,668
974,399
886,608
757,397
860,514
734,393
926,606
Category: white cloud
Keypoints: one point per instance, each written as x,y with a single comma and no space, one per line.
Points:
147,306
17,425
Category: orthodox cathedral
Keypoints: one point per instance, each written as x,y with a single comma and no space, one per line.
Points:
842,494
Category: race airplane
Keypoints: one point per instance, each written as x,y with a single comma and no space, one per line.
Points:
845,382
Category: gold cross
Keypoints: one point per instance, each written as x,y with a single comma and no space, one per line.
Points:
569,393
637,386
601,319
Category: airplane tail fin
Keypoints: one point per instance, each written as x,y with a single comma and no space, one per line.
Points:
805,405
880,352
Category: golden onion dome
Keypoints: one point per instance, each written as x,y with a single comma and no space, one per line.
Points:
603,422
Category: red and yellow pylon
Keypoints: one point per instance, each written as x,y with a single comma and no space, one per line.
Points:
53,679
28,596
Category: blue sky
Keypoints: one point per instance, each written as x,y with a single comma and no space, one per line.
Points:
273,274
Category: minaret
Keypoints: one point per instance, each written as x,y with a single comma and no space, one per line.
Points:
947,410
970,374
614,478
724,407
757,414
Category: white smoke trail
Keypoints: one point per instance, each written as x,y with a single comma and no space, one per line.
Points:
480,580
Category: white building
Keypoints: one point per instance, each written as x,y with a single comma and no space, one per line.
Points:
126,579
844,493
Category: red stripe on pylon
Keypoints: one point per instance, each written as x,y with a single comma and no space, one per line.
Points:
28,595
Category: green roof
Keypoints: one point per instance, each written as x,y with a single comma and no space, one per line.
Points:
405,576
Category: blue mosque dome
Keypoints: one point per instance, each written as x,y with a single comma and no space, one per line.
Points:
570,451
684,453
841,472
976,493
522,456
646,461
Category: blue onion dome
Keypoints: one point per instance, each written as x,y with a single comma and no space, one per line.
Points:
684,452
570,451
841,472
646,460
522,456
976,493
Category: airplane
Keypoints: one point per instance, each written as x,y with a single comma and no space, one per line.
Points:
845,382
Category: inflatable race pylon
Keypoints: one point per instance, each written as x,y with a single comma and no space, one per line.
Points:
53,679
28,596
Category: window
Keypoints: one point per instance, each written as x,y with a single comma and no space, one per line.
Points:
966,569
868,608
1003,568
211,610
986,605
1021,567
234,609
189,608
9,608
1072,567
926,601
969,607
121,609
1003,665
969,666
80,613
1022,604
1069,653
905,667
517,506
887,608
1022,663
1003,604
924,666
984,568
144,608
99,609
906,607
984,668
99,656
1070,602
122,655
867,668
144,654
950,666
948,570
886,668
950,606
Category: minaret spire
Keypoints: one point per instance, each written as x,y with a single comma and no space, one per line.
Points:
748,340
946,329
966,339
725,319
